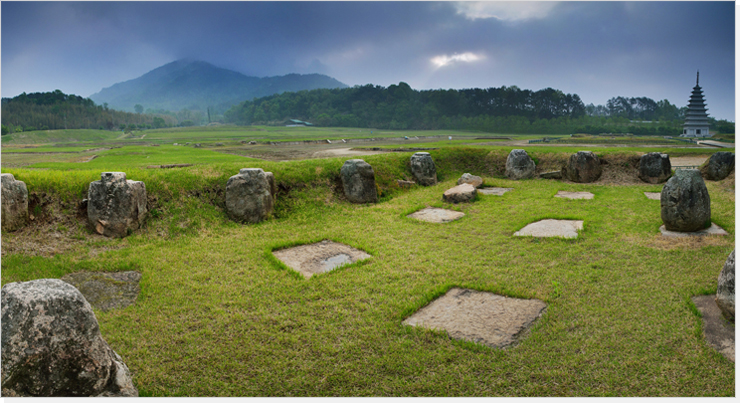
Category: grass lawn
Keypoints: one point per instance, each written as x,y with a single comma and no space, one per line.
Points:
217,316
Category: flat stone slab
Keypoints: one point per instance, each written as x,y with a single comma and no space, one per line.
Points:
552,228
713,230
106,291
436,215
494,191
480,317
319,257
718,331
575,195
652,195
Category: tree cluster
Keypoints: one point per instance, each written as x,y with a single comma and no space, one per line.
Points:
400,107
56,110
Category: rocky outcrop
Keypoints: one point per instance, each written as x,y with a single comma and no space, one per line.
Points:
116,206
460,194
718,166
583,167
423,169
358,181
52,346
249,196
726,288
684,202
475,181
552,175
14,203
519,165
655,168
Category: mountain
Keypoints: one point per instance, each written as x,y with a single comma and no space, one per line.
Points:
197,85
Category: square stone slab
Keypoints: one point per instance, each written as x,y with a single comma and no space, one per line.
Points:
652,195
552,228
319,257
436,215
575,195
494,191
106,291
478,316
713,230
718,332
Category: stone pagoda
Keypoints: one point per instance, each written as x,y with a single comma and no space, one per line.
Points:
697,123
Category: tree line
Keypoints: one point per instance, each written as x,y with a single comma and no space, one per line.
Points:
504,109
56,110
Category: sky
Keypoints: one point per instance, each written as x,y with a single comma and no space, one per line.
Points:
597,50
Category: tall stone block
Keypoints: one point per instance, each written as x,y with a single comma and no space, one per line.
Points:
358,181
726,288
718,166
519,165
655,168
583,167
249,195
684,202
14,203
52,346
116,205
423,169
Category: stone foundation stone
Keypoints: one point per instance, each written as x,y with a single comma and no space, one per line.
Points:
249,196
718,166
684,202
115,205
480,317
476,181
358,181
423,169
582,167
726,288
14,203
460,194
519,165
52,346
655,168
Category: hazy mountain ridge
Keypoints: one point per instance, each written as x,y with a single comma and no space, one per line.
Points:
197,85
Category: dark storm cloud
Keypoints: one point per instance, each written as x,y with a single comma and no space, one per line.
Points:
595,49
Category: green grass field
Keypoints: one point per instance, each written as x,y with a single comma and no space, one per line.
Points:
218,317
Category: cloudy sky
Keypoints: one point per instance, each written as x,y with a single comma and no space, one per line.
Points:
597,50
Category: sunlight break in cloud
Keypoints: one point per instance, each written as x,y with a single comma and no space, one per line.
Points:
505,10
444,60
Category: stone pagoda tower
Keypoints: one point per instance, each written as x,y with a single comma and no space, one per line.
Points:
697,123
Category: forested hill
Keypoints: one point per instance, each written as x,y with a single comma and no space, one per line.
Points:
197,85
57,110
504,109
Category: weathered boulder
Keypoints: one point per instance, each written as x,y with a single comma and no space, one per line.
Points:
405,184
726,288
583,167
249,196
460,194
14,203
52,346
655,168
718,166
476,181
423,169
358,181
684,202
115,205
519,165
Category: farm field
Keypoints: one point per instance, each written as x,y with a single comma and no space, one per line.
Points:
219,316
